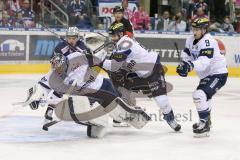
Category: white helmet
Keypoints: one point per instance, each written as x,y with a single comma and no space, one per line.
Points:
72,31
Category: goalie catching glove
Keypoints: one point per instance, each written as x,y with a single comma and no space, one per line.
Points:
39,95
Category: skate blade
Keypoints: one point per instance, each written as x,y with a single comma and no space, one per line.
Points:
201,135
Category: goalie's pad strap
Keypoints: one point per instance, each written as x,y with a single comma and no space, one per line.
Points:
73,115
130,110
95,113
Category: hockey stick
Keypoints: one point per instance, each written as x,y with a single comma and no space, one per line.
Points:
74,48
102,35
59,37
178,52
69,91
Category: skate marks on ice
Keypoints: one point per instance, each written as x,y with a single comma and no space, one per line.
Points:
27,129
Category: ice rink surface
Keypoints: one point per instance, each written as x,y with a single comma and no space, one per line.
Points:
21,136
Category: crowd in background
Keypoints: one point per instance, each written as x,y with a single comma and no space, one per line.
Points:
84,15
16,13
192,9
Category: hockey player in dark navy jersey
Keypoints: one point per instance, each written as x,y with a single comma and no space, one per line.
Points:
72,39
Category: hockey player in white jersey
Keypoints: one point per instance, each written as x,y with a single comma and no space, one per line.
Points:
202,54
144,71
72,75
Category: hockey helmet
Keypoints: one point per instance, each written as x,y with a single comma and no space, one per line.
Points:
118,9
72,31
200,23
116,28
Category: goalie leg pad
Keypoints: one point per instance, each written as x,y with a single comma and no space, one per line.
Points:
127,96
70,110
134,116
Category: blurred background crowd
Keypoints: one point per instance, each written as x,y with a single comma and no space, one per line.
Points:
160,15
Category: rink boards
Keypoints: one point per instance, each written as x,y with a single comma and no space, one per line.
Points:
28,52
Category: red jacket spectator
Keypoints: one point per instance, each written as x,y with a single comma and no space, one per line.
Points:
141,19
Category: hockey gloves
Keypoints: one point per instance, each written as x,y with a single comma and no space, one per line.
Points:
34,105
184,67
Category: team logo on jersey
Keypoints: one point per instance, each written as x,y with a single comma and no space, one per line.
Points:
221,46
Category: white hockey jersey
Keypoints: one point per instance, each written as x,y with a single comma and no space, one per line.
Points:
78,69
131,56
205,55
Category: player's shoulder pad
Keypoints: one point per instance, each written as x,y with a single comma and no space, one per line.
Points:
125,43
124,46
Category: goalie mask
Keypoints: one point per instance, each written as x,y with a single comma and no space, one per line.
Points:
59,62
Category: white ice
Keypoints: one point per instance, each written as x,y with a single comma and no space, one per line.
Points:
21,136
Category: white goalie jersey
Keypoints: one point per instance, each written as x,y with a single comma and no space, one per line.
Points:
205,55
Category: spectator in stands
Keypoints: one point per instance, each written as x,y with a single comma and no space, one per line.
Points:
5,21
91,13
128,13
27,15
200,14
1,8
37,10
201,4
118,15
18,22
13,6
77,12
215,25
178,24
237,22
141,19
164,21
227,26
176,6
